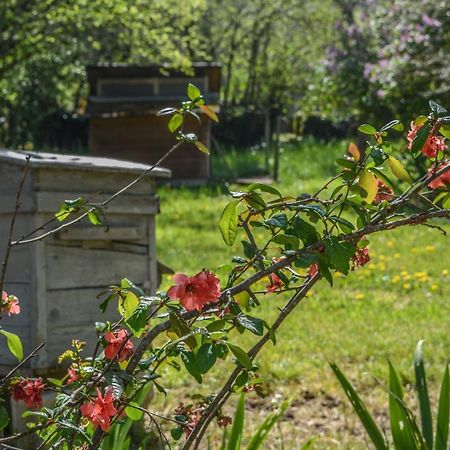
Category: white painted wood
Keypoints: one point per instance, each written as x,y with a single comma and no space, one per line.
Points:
74,267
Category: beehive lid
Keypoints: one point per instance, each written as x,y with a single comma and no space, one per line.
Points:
94,163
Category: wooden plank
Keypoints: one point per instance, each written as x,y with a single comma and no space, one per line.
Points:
39,325
50,202
152,261
8,203
78,307
89,233
75,267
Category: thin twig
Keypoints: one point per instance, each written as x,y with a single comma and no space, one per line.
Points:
23,362
12,223
22,240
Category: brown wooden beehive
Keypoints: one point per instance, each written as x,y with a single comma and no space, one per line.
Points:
57,279
123,106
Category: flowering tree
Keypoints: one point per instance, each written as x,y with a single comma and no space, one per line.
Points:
289,244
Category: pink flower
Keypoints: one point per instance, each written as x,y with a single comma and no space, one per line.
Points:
384,192
433,144
275,283
442,180
361,257
195,292
313,270
9,304
100,410
118,346
29,390
73,374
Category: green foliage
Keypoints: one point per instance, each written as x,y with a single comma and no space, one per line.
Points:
406,434
14,344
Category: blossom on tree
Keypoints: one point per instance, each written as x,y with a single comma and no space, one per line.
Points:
9,304
100,410
275,283
29,390
313,270
384,192
442,180
73,374
361,257
118,345
195,292
433,144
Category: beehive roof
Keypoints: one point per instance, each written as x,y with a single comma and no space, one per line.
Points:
94,163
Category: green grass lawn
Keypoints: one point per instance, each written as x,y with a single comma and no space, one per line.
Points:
379,311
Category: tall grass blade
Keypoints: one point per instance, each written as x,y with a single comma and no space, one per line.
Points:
422,393
264,429
238,426
371,427
402,428
443,415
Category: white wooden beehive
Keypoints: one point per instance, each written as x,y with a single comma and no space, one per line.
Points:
57,279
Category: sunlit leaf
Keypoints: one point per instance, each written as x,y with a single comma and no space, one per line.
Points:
369,183
398,170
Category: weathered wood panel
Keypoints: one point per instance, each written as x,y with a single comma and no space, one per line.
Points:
72,267
78,307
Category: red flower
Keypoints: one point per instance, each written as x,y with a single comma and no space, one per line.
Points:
361,257
313,269
195,292
73,374
29,390
275,283
9,304
442,180
433,144
118,346
384,192
100,410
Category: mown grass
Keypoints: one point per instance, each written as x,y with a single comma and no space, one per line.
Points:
379,311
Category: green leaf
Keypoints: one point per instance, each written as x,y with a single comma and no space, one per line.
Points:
70,426
339,253
128,304
241,356
264,429
420,139
366,419
369,183
179,326
389,125
14,344
190,362
193,92
446,201
398,170
278,221
206,357
304,230
94,218
437,109
422,393
202,147
4,417
209,112
253,324
402,433
443,415
176,433
237,429
264,188
249,250
133,412
175,122
138,318
382,176
228,222
367,129
445,131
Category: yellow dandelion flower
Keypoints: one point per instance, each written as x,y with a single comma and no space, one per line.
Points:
382,258
390,243
382,266
434,287
396,279
430,248
406,286
414,250
444,272
396,255
359,296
